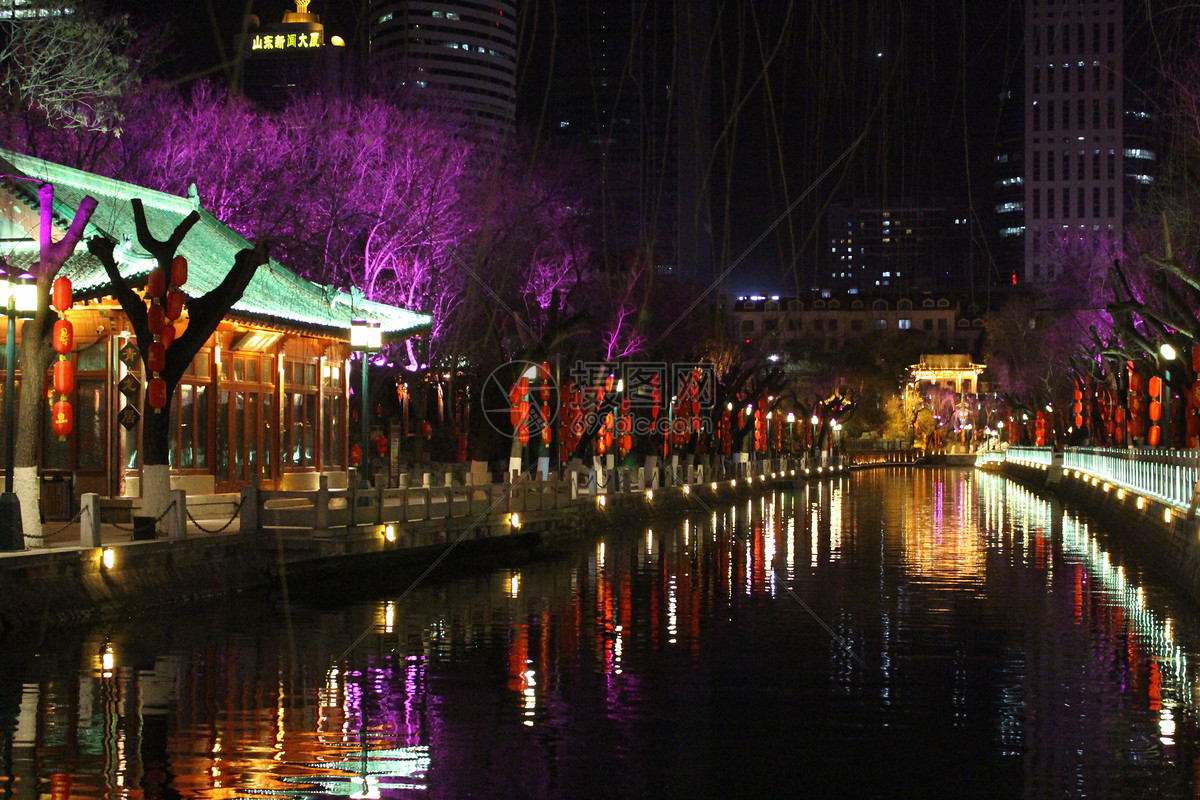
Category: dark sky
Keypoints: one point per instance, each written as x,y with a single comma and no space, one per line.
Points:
918,81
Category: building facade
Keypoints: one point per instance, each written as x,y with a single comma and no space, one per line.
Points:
289,57
267,400
1078,151
456,58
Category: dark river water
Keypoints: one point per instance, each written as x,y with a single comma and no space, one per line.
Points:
896,633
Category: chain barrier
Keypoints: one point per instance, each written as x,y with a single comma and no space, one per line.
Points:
237,509
57,531
157,519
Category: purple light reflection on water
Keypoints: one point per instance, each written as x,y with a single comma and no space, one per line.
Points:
997,650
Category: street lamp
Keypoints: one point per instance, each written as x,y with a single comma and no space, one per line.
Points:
366,338
791,419
20,295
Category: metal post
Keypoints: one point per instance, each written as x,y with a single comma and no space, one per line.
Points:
364,426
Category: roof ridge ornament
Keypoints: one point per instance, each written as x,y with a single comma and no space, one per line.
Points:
194,196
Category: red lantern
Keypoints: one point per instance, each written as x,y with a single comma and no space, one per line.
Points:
426,429
355,454
156,357
155,318
156,393
1154,435
523,433
174,306
1156,386
64,336
167,336
60,296
64,376
514,415
381,444
156,282
179,271
62,418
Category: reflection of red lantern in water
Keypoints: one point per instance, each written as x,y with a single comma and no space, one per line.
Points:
62,418
426,429
355,454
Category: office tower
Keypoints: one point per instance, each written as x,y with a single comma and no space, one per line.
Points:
1080,156
288,57
456,58
897,247
626,82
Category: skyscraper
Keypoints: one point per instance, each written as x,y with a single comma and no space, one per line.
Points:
456,57
627,83
1077,151
288,57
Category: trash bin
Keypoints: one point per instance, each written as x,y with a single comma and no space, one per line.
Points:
143,529
58,495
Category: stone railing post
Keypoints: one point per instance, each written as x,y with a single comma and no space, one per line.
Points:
248,511
177,516
321,503
89,520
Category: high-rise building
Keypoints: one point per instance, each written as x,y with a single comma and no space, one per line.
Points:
626,82
1077,153
897,247
288,57
457,57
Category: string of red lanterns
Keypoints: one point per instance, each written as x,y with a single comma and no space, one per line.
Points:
62,415
166,306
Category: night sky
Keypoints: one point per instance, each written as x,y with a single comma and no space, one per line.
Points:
918,81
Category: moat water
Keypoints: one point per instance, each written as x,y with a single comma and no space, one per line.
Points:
896,633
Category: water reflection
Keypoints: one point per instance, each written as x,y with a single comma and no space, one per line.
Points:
890,633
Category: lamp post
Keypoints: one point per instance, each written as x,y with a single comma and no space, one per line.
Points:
366,338
20,301
791,418
1168,353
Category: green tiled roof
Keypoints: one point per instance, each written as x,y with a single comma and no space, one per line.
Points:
275,297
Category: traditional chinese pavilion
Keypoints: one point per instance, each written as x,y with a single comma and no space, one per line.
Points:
267,398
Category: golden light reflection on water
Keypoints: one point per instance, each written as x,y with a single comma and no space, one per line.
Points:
371,698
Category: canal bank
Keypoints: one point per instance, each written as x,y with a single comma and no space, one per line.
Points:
1153,529
293,541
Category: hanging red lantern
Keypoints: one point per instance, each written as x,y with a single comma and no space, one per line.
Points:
156,282
381,444
167,336
547,435
514,415
64,336
174,305
156,357
156,393
1156,386
179,271
60,295
62,418
523,433
1154,435
64,376
155,318
355,454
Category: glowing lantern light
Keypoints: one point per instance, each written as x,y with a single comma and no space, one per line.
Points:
156,282
156,319
168,335
156,393
64,376
60,296
523,433
355,454
62,418
381,444
64,336
1154,435
156,357
179,271
174,307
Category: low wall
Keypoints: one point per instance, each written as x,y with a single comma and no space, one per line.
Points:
1155,535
